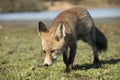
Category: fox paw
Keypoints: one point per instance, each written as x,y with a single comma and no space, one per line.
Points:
67,70
96,61
97,64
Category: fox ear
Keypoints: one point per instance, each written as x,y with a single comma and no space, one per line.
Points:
42,27
60,32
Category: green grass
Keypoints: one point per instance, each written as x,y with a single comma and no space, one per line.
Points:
21,57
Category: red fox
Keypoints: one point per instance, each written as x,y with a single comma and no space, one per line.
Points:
68,27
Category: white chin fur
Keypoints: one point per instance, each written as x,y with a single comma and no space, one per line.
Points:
49,63
55,57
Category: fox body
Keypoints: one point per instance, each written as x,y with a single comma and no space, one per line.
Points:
68,27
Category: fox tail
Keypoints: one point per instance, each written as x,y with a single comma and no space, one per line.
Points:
101,41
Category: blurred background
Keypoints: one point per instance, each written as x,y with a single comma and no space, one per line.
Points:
40,5
21,55
25,11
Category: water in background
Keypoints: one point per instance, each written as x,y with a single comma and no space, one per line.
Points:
44,15
48,16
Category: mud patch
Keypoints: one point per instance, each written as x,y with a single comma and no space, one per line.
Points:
82,77
11,52
0,44
3,71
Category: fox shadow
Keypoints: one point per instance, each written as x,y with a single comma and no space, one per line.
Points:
87,66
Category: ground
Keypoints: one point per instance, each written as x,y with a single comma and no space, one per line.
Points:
21,57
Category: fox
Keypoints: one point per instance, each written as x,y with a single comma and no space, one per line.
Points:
67,28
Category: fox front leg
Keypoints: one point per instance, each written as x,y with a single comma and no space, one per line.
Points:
65,57
72,54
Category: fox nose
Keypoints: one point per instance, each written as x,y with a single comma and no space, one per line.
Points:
46,65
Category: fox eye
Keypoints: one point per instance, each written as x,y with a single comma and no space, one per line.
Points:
52,51
44,51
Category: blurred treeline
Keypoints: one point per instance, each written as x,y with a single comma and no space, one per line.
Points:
38,5
111,2
21,5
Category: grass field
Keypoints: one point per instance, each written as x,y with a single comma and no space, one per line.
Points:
21,57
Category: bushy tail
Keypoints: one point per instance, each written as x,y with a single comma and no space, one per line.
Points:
101,41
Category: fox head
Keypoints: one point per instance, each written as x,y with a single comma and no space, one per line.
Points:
53,41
